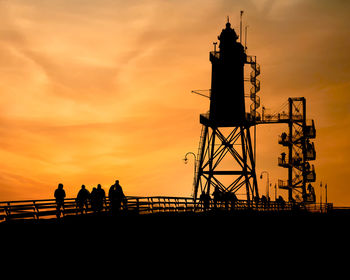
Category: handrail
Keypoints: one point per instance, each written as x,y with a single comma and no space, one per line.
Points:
35,209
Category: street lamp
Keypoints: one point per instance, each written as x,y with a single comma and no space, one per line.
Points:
321,197
189,153
268,183
195,159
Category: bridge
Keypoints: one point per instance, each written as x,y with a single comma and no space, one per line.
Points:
47,208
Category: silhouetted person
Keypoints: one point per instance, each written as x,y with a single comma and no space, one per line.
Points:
216,196
205,200
100,198
111,197
60,194
119,196
233,199
283,157
256,200
284,136
310,188
308,145
82,199
307,166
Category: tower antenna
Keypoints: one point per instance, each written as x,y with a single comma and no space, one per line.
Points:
245,37
240,28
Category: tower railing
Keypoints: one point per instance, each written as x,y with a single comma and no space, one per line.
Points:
215,54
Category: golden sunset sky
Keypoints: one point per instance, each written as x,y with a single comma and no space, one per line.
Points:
98,90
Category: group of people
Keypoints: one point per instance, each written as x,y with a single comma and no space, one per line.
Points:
228,198
96,199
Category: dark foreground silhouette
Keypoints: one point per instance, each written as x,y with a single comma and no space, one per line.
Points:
183,232
164,218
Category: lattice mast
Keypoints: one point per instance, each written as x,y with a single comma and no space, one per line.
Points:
300,152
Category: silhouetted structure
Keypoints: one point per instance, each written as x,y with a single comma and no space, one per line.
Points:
226,128
59,195
300,150
226,154
225,136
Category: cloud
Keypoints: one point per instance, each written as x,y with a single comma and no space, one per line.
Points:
92,89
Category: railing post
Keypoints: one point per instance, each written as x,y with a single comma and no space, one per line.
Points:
36,212
137,205
150,205
8,210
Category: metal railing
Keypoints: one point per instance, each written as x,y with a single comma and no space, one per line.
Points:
47,208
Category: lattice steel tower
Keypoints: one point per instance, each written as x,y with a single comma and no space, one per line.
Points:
226,155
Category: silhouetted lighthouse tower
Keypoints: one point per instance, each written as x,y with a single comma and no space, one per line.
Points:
227,83
225,156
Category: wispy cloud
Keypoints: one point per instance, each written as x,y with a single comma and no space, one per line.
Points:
92,90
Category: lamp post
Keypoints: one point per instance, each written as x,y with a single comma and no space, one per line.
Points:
268,183
195,159
321,197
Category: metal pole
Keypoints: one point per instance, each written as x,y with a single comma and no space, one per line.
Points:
290,150
321,197
240,28
195,160
268,183
275,192
268,186
245,38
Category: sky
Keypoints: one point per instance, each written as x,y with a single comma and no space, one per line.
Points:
94,91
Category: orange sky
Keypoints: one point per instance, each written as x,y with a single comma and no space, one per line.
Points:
93,91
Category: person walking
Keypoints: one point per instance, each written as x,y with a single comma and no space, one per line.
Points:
205,200
119,196
112,199
217,195
59,194
82,199
93,198
100,198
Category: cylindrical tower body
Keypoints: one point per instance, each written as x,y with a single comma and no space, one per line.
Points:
227,106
